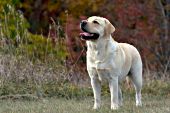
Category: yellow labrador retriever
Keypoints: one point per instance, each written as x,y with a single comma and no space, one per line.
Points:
110,60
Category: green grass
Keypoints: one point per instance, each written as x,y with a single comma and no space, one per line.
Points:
151,104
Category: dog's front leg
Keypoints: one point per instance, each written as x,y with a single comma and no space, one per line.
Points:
96,91
113,84
96,86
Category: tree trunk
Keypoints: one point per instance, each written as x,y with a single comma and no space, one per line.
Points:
164,17
164,45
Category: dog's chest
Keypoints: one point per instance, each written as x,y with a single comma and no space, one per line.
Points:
99,61
101,55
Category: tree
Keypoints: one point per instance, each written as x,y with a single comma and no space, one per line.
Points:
143,23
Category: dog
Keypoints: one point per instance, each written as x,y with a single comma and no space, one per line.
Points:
109,60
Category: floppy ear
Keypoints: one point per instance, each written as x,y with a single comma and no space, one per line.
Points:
109,28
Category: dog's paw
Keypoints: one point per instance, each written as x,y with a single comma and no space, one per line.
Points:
115,107
138,104
96,106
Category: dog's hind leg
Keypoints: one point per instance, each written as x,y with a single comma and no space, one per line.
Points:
136,77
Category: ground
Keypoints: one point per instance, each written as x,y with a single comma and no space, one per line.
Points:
151,104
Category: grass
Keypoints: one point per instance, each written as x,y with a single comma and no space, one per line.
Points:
151,104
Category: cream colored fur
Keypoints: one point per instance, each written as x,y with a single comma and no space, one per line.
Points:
111,61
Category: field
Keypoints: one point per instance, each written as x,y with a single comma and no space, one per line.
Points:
151,104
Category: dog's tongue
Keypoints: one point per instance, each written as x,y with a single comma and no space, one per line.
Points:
85,34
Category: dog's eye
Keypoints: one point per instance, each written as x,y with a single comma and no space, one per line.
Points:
95,22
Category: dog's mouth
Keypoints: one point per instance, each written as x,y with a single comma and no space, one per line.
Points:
89,36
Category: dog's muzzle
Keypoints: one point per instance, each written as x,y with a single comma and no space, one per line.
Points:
86,35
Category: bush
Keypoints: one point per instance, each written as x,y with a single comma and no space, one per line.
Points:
15,38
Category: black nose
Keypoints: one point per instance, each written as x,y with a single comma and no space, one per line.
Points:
83,23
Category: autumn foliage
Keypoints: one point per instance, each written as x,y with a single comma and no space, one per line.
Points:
138,22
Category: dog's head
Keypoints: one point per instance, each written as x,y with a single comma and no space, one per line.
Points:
96,27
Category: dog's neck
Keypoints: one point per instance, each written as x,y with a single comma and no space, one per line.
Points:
96,45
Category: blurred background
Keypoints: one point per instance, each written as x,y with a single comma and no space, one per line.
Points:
40,48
